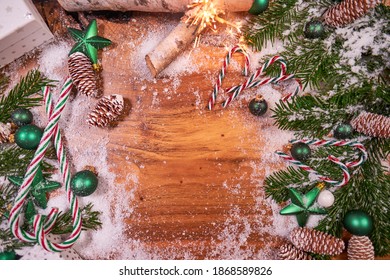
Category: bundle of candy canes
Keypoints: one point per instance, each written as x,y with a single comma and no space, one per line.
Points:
256,79
331,142
42,226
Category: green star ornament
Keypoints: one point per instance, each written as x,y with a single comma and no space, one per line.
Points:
39,187
88,42
302,205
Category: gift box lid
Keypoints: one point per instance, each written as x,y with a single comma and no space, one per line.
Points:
18,19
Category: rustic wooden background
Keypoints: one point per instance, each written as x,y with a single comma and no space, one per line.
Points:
183,155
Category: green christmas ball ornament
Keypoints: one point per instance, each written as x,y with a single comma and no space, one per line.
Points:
300,151
84,183
10,255
28,136
21,117
258,106
358,222
314,29
343,131
258,7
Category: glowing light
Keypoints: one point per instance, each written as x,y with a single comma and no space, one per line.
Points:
204,14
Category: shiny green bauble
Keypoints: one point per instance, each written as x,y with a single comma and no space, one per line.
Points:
343,131
300,151
314,29
258,106
10,255
258,7
84,183
358,222
21,117
28,136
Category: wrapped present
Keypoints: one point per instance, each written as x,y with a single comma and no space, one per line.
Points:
21,29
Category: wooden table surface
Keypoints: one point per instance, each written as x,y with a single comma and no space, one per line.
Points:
199,172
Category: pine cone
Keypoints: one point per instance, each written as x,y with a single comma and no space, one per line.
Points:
108,109
314,241
372,125
5,132
82,73
289,252
348,11
360,248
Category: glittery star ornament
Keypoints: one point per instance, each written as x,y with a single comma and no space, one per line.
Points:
88,42
39,186
302,205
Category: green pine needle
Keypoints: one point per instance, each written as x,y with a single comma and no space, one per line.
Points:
23,95
90,220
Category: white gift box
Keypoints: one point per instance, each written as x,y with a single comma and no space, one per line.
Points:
21,29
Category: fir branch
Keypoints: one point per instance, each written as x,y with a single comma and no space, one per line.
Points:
276,185
7,195
23,94
4,82
10,243
370,194
271,24
14,160
313,63
90,220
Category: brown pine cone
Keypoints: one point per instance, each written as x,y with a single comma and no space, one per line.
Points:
5,132
372,125
108,109
348,11
82,73
290,252
314,241
360,248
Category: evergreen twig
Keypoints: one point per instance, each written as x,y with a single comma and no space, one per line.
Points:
90,220
23,94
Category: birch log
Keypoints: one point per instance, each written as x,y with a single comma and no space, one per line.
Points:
169,48
168,6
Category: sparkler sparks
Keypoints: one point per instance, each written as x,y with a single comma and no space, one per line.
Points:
204,14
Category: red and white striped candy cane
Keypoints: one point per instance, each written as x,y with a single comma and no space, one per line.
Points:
337,143
41,227
254,81
344,168
222,73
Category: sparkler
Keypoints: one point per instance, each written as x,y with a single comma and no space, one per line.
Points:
204,14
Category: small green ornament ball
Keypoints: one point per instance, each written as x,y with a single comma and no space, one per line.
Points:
358,222
84,183
10,255
300,151
343,131
258,106
258,7
28,136
21,117
314,29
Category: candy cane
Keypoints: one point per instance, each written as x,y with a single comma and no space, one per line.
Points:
222,73
344,167
338,143
42,228
253,80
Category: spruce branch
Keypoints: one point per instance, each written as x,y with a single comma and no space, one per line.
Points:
4,82
23,94
10,243
90,220
271,24
14,160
